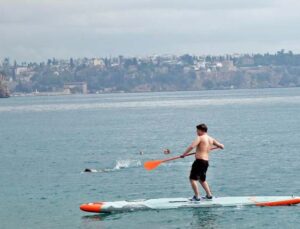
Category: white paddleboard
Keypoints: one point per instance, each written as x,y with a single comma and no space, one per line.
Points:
173,203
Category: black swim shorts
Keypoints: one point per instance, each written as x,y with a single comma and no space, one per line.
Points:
198,171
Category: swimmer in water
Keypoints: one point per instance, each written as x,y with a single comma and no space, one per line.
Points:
90,171
167,151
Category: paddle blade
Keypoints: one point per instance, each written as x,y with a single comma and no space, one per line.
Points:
149,165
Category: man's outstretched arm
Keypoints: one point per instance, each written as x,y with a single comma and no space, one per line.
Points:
191,147
218,144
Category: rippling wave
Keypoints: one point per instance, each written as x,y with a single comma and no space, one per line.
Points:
120,164
150,104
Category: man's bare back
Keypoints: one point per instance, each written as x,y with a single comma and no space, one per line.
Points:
205,144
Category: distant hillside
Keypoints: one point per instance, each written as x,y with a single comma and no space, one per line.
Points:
157,73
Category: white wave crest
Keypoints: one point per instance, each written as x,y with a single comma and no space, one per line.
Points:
122,164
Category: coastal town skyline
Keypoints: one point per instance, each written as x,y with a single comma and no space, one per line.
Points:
151,73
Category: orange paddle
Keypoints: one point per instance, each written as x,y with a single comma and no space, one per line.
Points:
150,165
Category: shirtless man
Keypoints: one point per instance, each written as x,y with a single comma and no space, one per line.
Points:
203,144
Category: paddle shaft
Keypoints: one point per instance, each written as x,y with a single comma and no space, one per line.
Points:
150,165
175,158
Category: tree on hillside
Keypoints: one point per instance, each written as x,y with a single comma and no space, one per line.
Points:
4,93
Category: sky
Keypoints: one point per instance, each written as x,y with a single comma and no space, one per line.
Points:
35,30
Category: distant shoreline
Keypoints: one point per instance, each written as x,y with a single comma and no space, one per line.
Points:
135,92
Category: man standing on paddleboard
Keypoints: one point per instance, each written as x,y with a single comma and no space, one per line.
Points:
203,144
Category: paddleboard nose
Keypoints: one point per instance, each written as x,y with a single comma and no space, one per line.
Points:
92,207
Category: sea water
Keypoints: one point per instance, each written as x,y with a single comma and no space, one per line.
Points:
47,142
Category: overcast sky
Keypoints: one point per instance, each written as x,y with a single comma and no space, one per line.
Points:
39,29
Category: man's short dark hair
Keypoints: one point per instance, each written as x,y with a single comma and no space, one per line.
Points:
202,127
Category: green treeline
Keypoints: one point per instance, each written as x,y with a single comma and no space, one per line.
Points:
159,73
